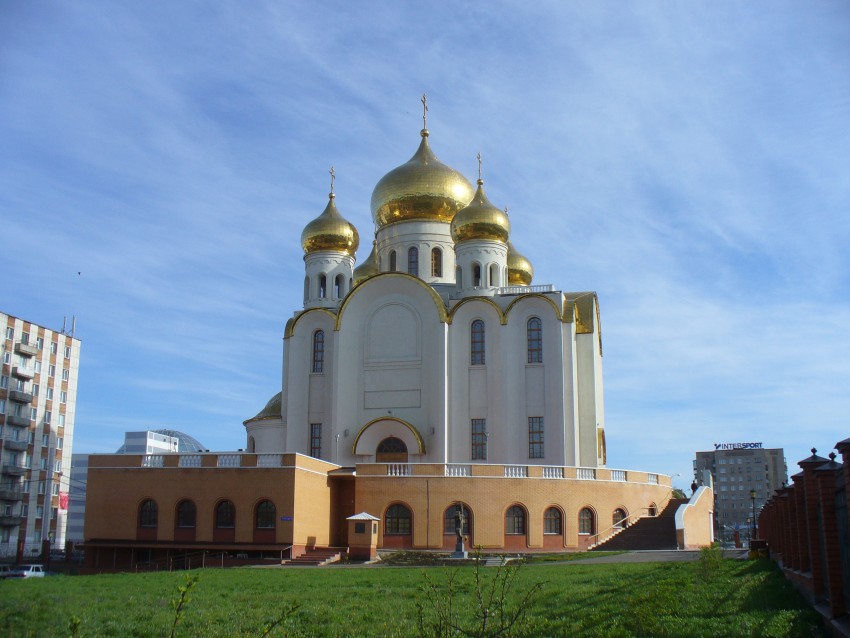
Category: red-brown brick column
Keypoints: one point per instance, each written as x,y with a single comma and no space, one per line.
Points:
825,477
799,533
811,517
843,448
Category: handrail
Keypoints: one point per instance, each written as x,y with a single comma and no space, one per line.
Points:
629,520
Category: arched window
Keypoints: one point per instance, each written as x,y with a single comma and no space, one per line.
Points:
459,277
392,445
619,518
148,513
515,520
225,515
436,262
306,289
552,521
494,275
397,520
319,351
476,275
476,344
585,521
186,514
392,261
449,519
323,286
413,260
339,287
265,515
534,340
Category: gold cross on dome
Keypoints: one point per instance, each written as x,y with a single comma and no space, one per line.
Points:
479,166
424,110
333,177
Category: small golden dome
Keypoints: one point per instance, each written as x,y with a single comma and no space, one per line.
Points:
369,268
520,270
421,189
330,231
480,220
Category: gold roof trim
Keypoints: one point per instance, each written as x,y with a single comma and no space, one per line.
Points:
503,320
564,317
438,301
290,325
419,440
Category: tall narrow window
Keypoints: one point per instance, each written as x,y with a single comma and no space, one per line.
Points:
515,520
436,262
266,514
323,286
148,514
585,521
476,346
552,521
339,286
413,260
476,275
535,437
306,289
186,514
316,440
225,515
494,275
534,339
319,351
392,261
479,439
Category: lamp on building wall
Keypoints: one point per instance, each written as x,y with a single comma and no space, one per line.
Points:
753,495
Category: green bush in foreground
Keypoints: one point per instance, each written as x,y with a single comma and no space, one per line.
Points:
618,600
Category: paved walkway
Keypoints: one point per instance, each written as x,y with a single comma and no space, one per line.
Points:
659,556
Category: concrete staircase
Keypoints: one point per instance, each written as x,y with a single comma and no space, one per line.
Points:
649,532
316,557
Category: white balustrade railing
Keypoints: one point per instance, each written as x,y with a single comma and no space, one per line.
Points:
458,470
229,460
269,460
553,472
516,471
153,460
652,478
618,475
190,460
398,469
586,474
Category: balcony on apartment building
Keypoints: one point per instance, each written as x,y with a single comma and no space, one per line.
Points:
23,372
20,396
15,446
19,420
13,470
26,349
9,493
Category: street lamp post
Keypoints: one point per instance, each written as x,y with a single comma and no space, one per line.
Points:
753,495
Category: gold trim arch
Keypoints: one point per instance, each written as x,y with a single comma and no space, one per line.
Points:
536,295
503,320
289,330
438,301
412,431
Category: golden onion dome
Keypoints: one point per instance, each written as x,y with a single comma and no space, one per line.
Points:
421,189
369,268
330,231
520,270
480,219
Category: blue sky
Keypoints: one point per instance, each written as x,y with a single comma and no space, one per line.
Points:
688,161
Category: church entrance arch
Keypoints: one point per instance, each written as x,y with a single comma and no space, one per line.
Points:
391,450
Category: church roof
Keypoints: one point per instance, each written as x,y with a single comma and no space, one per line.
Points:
270,411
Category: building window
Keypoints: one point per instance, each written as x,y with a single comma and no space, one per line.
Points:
39,342
392,261
54,347
316,440
476,346
436,262
449,520
2,406
186,514
552,521
397,520
49,394
4,382
318,351
59,440
479,440
619,518
585,521
7,358
323,286
35,389
63,396
266,515
37,367
61,420
51,370
476,275
413,261
225,515
47,416
25,338
535,340
45,440
148,513
66,374
515,520
67,352
10,333
339,286
535,437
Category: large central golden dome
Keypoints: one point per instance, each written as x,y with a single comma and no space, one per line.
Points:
421,189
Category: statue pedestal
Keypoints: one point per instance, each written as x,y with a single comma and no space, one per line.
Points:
460,550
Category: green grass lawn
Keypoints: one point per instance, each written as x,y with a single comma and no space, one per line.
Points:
644,599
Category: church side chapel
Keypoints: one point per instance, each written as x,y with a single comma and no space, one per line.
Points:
433,382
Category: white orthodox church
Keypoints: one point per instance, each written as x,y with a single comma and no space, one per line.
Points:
437,348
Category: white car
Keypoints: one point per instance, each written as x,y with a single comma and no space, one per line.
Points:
27,571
